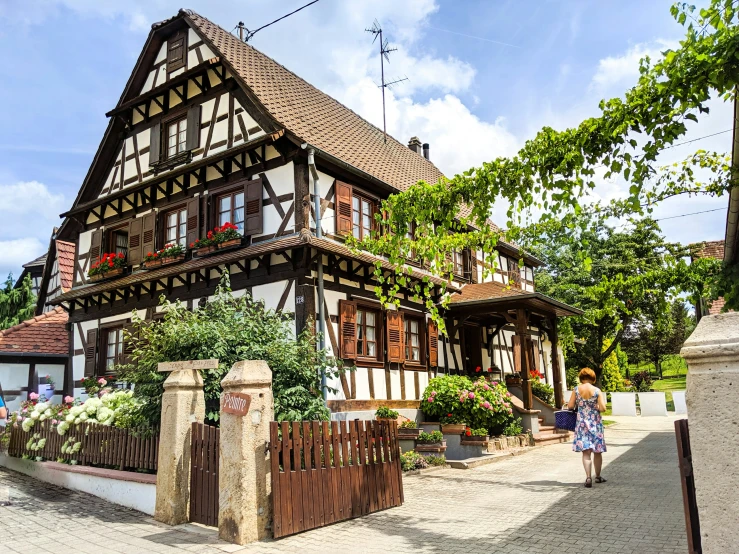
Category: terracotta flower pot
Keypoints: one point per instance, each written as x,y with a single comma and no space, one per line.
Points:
229,244
454,428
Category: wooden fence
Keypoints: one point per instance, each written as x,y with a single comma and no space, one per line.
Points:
125,449
204,456
325,472
690,505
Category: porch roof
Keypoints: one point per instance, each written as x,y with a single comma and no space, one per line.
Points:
43,335
498,297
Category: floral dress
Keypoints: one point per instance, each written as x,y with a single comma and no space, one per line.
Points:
589,426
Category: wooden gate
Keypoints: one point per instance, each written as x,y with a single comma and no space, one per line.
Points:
325,472
685,461
204,474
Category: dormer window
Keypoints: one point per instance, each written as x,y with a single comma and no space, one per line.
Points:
176,137
176,51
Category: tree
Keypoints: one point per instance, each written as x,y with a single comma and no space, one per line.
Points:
229,329
16,304
632,269
659,332
556,169
611,379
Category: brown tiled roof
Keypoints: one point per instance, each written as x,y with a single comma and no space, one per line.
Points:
710,249
314,117
485,291
43,334
65,257
716,306
38,261
491,295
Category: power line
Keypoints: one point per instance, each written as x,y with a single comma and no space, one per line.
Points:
697,139
245,37
693,213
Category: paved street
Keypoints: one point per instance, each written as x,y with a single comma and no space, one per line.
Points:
534,503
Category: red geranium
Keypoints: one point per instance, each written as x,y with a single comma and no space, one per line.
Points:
478,369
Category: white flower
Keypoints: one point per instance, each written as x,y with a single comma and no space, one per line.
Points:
27,424
76,410
62,428
35,415
104,414
41,406
69,418
47,413
41,443
77,421
42,417
83,416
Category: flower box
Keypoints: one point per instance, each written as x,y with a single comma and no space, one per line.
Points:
454,428
229,244
475,439
431,447
409,432
205,250
173,259
151,264
107,275
513,381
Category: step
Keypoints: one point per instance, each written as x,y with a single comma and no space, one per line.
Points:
550,437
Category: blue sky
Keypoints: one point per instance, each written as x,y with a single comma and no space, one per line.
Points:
483,77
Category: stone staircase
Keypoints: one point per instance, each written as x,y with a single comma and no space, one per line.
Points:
549,434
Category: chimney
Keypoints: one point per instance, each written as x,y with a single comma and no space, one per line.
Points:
415,145
426,150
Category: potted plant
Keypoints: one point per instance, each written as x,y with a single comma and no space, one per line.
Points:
384,413
408,430
109,265
513,380
172,253
451,425
476,435
430,442
152,260
205,246
46,387
226,236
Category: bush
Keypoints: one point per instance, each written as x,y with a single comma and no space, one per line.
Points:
571,377
641,381
456,399
412,460
436,460
476,432
229,329
433,436
408,424
543,392
384,412
611,379
513,428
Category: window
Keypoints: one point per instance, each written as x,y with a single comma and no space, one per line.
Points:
117,242
112,349
458,261
367,333
175,227
176,51
176,136
362,216
413,339
231,209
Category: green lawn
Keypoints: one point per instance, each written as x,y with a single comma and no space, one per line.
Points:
672,366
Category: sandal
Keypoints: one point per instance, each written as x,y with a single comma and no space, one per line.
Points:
588,483
600,479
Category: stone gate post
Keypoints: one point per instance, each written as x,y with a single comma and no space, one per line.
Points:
183,402
712,397
243,481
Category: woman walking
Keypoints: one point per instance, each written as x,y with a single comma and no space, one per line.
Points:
589,427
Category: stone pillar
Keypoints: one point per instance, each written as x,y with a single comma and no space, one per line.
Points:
712,397
244,482
183,403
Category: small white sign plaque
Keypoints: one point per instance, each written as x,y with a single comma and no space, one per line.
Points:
189,364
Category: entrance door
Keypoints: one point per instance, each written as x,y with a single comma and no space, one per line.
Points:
472,349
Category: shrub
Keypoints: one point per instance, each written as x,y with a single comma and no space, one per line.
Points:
513,428
436,460
433,436
412,460
408,424
611,379
543,392
641,381
456,399
384,412
475,432
571,377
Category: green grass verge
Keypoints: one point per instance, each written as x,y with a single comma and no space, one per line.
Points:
608,422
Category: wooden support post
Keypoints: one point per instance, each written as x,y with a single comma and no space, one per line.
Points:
556,369
523,332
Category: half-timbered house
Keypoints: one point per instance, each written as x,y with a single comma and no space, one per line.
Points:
209,130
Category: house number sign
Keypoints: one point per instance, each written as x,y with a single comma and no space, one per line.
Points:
236,403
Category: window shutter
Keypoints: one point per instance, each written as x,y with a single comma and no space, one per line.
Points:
96,243
193,220
155,141
517,353
193,128
395,343
347,329
343,208
433,338
148,242
91,352
135,229
176,51
536,363
253,207
127,345
473,265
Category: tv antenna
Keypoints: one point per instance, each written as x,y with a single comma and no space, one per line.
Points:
384,55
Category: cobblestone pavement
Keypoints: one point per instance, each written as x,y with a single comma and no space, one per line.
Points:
533,503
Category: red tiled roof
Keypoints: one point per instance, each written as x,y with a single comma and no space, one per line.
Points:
710,249
65,257
716,306
485,291
43,334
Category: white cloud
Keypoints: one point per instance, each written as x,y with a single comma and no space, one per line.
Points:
15,253
623,70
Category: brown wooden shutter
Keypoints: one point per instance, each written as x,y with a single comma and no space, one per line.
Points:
135,230
193,128
155,143
433,340
347,329
91,352
127,344
395,343
516,353
343,208
535,355
148,234
96,244
176,51
193,220
253,219
473,265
